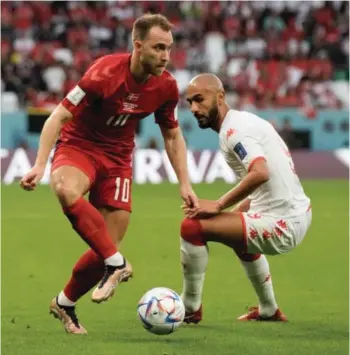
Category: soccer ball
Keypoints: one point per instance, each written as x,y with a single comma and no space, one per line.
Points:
161,310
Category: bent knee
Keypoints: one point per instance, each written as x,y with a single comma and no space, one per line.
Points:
69,184
247,257
192,231
65,191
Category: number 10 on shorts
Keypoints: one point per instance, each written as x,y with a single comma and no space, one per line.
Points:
122,189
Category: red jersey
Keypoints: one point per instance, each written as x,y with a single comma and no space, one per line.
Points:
107,104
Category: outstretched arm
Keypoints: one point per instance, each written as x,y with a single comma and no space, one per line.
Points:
50,133
48,137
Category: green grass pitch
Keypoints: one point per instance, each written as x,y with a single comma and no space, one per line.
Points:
39,249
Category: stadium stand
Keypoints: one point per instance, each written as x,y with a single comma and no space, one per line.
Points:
268,54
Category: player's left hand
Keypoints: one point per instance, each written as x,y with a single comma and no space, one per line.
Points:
189,196
206,209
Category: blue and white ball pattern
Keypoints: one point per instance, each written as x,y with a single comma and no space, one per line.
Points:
161,310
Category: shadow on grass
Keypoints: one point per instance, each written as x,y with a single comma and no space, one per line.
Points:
186,334
293,330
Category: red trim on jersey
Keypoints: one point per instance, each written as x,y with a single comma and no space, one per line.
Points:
245,241
309,208
254,161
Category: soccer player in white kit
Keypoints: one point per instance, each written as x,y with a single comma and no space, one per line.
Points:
271,215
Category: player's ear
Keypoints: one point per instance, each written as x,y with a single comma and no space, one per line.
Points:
137,44
220,96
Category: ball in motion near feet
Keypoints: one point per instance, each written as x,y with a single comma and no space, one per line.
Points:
161,310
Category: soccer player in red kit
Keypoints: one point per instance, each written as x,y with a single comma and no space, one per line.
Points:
95,125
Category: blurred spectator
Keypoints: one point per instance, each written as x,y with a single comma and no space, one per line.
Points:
287,133
269,54
152,144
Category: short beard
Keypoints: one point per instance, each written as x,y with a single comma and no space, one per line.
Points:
211,118
147,68
213,114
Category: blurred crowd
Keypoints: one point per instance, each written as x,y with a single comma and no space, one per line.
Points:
268,54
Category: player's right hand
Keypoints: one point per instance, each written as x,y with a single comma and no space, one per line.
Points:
206,209
31,179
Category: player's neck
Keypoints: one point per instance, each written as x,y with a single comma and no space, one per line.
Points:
137,70
221,116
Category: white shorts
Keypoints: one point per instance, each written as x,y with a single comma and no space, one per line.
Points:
273,235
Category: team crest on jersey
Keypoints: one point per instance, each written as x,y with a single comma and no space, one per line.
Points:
240,150
133,97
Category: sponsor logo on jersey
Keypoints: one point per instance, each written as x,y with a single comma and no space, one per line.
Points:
230,132
76,95
128,106
240,150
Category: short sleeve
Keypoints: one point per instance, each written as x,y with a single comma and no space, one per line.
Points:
246,148
89,89
166,115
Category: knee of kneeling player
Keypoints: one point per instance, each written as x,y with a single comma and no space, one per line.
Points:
192,232
247,257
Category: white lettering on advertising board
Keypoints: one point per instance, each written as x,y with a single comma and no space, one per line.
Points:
150,166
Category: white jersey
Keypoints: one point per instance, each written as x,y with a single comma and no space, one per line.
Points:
244,138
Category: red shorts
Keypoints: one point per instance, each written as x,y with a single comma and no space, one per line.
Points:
110,185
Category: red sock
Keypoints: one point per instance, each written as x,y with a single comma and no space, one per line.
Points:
90,225
87,272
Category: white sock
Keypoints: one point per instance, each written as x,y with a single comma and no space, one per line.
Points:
116,259
258,272
63,300
194,260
